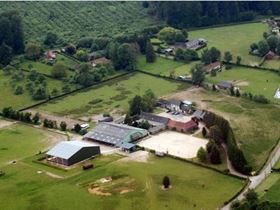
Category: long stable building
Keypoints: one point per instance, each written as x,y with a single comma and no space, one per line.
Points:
115,134
70,152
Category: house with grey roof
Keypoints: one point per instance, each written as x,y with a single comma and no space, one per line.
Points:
225,85
114,134
199,114
157,123
70,152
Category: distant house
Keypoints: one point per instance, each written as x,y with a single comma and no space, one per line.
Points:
270,55
275,30
127,147
185,127
50,55
225,85
168,50
174,105
196,44
100,61
212,66
70,152
162,103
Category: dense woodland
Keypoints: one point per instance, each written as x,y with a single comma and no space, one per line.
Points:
206,13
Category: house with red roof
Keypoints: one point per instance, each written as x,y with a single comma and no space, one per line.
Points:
50,55
212,66
184,127
270,55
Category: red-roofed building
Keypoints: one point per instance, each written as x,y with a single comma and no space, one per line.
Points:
185,127
212,66
270,55
50,55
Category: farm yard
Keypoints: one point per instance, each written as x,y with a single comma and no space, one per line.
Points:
140,187
165,67
236,39
250,80
114,94
251,122
38,20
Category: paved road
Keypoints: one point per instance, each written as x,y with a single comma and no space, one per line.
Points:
256,180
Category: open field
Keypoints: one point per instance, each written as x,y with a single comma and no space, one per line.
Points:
19,141
111,95
269,189
8,98
250,80
256,126
36,186
174,143
277,165
165,66
94,19
236,39
272,64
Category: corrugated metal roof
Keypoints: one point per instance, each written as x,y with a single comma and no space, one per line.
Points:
67,149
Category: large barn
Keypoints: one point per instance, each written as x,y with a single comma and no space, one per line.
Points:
70,152
115,134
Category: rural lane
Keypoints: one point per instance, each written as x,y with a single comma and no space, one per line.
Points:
256,180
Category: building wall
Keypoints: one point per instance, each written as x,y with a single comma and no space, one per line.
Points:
83,154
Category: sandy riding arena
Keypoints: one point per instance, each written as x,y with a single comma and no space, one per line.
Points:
174,143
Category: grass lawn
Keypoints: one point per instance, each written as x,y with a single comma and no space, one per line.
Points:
164,66
19,141
272,185
273,64
250,80
113,94
38,66
256,126
24,100
190,188
277,165
236,39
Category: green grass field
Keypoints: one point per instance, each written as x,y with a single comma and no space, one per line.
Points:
24,100
94,19
20,141
112,95
236,39
277,165
193,187
272,185
251,80
164,66
272,64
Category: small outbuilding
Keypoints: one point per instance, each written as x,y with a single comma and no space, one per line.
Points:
184,127
270,55
68,153
225,85
212,66
127,147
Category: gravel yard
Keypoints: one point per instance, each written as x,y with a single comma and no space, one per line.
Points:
174,143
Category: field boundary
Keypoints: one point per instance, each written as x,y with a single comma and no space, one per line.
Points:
252,67
74,91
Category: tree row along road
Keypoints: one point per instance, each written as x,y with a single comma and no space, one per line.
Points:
255,180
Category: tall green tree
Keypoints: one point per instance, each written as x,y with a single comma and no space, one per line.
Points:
198,74
150,53
6,54
263,47
227,57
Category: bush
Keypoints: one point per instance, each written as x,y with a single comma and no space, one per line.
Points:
19,90
201,154
166,182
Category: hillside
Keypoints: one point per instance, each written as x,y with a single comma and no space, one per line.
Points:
72,20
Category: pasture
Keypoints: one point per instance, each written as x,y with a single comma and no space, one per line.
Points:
111,95
34,187
164,66
255,126
250,80
236,39
94,19
8,98
269,189
272,64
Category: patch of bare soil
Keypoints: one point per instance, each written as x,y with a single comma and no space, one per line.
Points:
139,156
53,175
165,189
5,123
96,191
240,83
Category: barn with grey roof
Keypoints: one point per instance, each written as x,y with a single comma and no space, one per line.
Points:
70,152
115,134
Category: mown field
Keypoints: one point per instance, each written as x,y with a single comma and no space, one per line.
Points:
256,126
8,98
269,189
112,95
165,67
250,80
73,20
236,39
32,190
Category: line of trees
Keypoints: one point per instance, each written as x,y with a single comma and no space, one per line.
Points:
11,36
26,117
224,133
207,13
